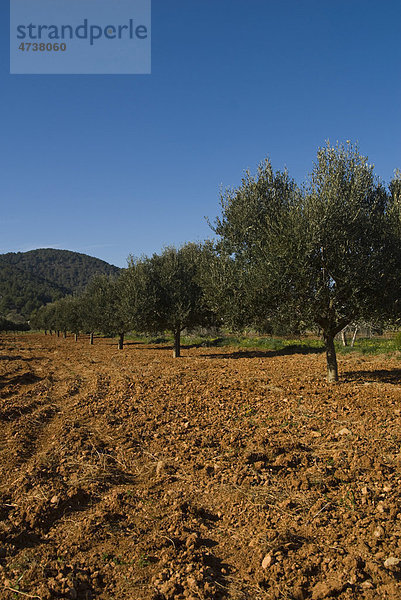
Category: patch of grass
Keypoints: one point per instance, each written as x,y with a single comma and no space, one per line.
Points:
369,346
107,556
114,558
149,339
348,500
144,560
397,341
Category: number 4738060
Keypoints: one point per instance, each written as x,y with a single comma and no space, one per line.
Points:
42,47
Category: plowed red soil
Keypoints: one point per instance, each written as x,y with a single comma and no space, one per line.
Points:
131,475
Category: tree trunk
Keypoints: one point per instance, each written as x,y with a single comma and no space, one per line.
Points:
75,337
64,334
354,336
177,343
332,369
50,331
121,341
45,331
344,337
91,338
58,333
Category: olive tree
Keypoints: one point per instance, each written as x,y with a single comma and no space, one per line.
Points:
94,305
72,314
102,307
44,318
37,319
163,292
324,255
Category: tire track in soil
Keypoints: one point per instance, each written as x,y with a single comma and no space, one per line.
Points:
43,517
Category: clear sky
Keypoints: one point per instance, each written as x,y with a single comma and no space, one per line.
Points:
118,164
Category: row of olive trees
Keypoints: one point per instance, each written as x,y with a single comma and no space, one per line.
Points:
7,325
153,294
323,256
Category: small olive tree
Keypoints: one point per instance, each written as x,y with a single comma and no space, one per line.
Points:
44,318
163,292
72,314
102,307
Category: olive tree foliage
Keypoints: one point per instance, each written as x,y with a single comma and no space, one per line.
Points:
71,314
102,306
138,300
62,315
37,318
163,292
240,278
67,315
225,289
44,317
325,255
94,301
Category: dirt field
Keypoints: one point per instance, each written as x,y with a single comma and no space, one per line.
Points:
223,474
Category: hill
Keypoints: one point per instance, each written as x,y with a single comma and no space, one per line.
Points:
30,279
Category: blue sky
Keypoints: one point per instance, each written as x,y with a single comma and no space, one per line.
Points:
118,164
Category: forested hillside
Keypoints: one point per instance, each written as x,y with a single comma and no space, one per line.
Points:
30,279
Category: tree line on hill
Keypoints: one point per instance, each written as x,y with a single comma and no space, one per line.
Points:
31,279
321,256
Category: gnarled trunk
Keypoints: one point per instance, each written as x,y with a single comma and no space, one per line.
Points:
330,327
121,341
177,343
332,369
